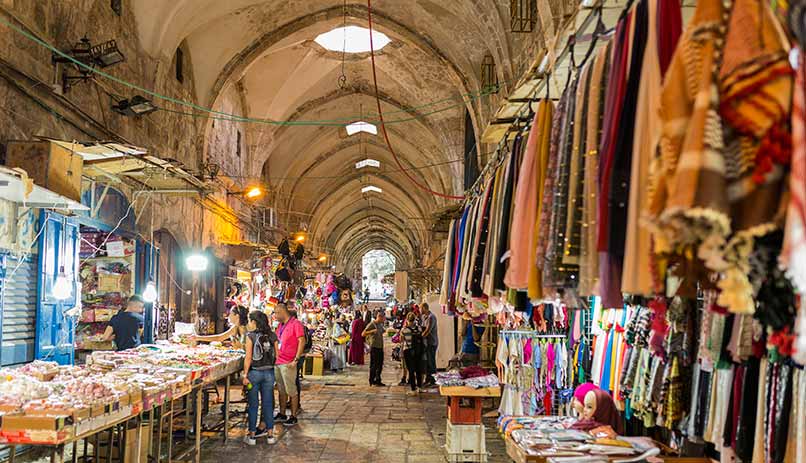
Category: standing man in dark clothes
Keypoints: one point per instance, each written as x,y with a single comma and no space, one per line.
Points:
375,331
127,326
431,337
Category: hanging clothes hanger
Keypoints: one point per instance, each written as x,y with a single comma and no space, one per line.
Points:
600,31
572,40
626,10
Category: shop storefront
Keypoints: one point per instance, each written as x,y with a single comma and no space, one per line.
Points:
114,263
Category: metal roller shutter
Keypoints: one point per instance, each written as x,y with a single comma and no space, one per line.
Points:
18,315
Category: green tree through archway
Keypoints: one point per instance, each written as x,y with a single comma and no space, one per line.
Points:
375,265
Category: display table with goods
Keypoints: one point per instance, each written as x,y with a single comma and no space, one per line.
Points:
551,439
43,403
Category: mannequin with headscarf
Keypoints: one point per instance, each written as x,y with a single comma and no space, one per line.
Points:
598,410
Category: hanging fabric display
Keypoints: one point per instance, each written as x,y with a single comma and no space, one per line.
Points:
657,205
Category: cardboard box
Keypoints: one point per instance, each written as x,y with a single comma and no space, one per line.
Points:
27,423
49,165
109,283
98,410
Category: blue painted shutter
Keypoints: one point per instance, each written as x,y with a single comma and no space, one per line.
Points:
18,315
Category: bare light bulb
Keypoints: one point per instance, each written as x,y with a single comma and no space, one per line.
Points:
196,263
150,293
62,289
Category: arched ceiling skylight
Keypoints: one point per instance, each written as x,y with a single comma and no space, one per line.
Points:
361,126
352,39
367,163
371,189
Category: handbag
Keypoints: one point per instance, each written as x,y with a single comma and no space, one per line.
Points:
396,338
343,339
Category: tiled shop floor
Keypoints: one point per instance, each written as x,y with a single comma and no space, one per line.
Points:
346,420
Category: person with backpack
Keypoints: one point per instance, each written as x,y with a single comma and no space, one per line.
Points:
413,348
258,376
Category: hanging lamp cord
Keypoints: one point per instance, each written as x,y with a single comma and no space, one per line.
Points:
383,125
343,77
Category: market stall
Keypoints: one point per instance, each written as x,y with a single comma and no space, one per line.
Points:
106,271
549,439
46,404
633,229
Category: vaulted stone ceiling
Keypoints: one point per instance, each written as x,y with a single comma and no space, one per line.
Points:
264,50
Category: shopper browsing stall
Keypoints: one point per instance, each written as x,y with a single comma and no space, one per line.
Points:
126,327
337,345
258,376
413,351
374,335
471,352
357,338
431,336
292,344
238,319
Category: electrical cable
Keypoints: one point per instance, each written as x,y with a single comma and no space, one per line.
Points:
383,125
332,177
220,115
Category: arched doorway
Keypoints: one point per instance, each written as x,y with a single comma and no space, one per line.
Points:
375,265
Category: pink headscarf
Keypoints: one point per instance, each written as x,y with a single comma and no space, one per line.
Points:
582,390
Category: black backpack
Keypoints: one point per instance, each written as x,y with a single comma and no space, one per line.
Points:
417,342
263,354
308,339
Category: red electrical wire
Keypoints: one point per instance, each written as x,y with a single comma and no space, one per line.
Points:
383,125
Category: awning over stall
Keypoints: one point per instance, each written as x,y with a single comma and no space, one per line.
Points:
121,161
17,187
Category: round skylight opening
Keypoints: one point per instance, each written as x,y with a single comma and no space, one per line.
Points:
352,39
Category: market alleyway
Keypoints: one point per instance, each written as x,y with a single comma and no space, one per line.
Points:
346,420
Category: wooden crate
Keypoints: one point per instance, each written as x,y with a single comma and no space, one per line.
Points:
48,165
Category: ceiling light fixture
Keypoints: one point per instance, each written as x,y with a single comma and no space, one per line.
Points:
371,188
137,106
352,39
361,126
102,55
367,163
251,193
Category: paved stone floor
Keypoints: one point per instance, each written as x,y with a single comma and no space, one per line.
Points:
345,420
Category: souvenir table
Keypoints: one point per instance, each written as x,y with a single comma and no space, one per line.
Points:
45,404
539,439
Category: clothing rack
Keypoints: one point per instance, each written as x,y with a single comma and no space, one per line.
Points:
499,155
533,334
500,152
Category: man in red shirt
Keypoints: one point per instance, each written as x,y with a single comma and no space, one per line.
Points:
292,343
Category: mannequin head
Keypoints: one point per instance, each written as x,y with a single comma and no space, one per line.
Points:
579,403
589,407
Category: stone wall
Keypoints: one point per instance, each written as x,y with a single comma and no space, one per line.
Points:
32,104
